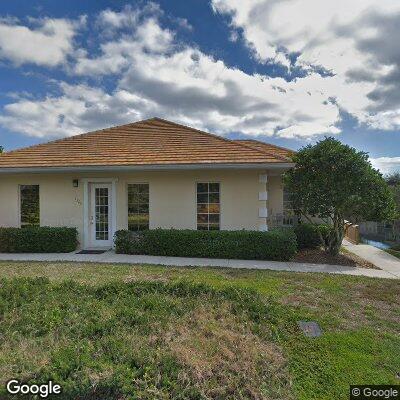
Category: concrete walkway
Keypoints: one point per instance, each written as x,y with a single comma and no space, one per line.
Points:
111,257
378,257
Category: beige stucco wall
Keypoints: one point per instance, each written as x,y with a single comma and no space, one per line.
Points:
172,197
60,202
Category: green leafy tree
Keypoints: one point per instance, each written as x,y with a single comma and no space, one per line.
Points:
334,182
393,180
1,149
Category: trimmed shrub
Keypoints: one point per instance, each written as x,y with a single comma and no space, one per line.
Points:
251,245
325,231
34,239
308,235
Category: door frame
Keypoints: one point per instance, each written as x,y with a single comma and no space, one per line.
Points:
94,242
87,204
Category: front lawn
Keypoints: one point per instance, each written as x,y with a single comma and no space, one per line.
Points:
395,253
345,257
148,332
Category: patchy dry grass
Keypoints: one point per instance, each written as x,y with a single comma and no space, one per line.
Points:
212,340
346,257
225,358
140,340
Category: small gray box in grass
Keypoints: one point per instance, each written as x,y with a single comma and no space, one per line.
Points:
310,328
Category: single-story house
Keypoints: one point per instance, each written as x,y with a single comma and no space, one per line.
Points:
148,174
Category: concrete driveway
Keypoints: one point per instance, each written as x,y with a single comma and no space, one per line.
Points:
378,257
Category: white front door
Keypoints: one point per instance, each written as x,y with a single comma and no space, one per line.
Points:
100,218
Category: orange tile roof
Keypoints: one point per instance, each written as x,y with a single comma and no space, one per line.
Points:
150,142
267,147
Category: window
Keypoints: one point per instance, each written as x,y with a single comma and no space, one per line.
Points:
29,205
288,213
287,203
208,206
138,206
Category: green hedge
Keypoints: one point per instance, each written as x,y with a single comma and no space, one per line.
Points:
251,245
38,240
308,236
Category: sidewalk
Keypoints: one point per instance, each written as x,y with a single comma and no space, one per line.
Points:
378,257
111,257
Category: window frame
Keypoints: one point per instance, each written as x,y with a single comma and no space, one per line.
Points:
127,203
286,202
208,182
19,224
288,214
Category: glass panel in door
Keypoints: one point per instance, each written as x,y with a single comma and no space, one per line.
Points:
101,213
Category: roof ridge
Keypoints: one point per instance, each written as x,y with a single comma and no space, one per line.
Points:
189,127
214,136
269,144
283,158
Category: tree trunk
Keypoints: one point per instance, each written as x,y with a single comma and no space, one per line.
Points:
336,235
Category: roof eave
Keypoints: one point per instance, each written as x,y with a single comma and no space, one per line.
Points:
152,167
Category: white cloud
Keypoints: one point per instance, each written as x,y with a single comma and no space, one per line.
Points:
48,44
303,25
80,108
184,23
128,17
111,19
152,37
144,34
386,164
187,85
354,40
388,120
114,57
155,74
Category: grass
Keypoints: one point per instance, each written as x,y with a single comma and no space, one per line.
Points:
345,257
145,332
395,253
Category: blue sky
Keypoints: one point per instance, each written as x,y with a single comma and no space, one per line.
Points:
288,73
